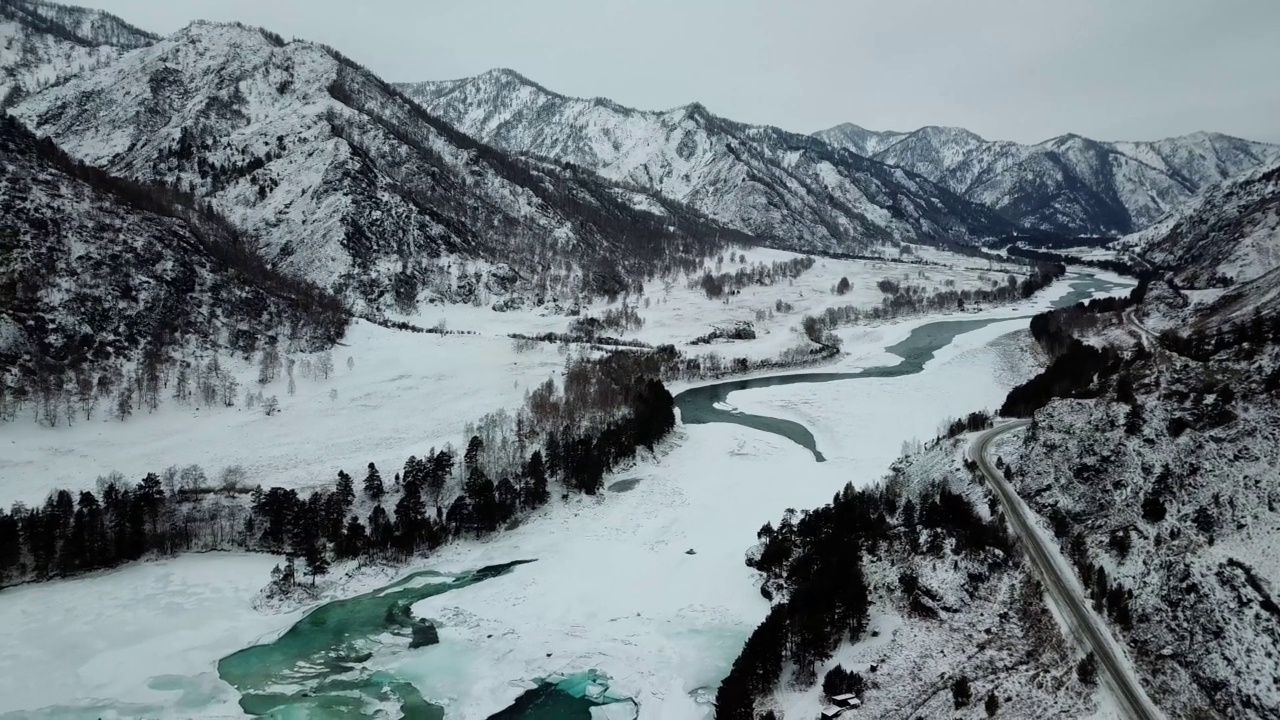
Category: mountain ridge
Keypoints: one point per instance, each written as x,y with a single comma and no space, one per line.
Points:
1069,183
350,183
787,187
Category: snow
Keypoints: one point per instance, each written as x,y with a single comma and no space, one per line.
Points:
409,392
758,179
144,639
613,588
406,393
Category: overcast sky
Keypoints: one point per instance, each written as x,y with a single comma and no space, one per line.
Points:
1021,70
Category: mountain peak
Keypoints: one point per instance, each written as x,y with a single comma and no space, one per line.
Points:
951,131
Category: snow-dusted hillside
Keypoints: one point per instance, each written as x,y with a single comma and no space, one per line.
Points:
1229,232
792,189
1183,523
95,272
346,181
1068,184
42,44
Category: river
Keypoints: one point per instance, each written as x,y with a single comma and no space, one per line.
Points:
702,404
328,664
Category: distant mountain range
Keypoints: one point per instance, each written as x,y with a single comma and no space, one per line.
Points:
495,190
790,189
1069,184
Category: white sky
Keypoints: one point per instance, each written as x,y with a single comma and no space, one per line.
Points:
1021,70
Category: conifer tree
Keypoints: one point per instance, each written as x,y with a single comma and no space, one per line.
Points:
373,488
345,489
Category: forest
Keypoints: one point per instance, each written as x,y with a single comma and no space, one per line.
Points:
1047,256
721,283
570,437
811,569
1076,369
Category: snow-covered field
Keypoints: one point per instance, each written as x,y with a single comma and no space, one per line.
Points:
407,392
404,393
613,588
677,314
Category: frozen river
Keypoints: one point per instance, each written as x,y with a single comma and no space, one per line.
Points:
614,617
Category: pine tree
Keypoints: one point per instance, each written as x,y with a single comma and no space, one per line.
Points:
381,532
438,474
961,692
345,489
355,539
373,488
411,520
992,705
536,494
317,560
471,458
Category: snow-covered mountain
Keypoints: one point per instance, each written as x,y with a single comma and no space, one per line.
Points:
791,189
96,271
1230,232
42,44
346,181
859,139
1069,184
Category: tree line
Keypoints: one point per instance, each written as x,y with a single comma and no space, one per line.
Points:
718,284
901,299
608,410
1076,369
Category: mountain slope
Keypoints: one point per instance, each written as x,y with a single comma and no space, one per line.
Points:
791,189
97,272
42,44
1069,184
1229,232
347,182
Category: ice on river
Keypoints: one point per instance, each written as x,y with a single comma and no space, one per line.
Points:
143,640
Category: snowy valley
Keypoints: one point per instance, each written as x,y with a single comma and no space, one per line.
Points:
328,397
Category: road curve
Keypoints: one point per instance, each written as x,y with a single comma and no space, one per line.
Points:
1148,337
1088,628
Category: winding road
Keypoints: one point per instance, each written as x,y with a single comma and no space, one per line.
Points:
1088,627
1145,334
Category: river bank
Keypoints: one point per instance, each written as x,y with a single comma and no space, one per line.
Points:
615,588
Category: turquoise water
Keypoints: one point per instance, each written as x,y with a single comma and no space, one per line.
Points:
316,669
570,698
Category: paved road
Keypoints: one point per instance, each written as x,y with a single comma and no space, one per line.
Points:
1133,701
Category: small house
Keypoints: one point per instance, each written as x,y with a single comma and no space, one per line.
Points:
848,700
829,713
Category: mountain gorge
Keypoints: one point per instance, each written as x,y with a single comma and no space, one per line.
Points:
1070,184
1228,233
789,189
